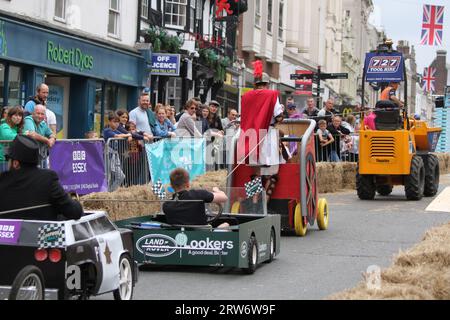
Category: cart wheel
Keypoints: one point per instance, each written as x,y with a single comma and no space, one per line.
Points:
236,208
272,246
28,285
252,255
300,224
322,216
125,290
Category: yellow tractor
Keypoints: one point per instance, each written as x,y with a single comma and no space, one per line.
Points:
398,150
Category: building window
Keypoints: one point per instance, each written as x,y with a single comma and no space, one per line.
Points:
192,16
114,16
258,13
269,16
15,80
199,10
144,9
175,13
280,21
60,10
174,92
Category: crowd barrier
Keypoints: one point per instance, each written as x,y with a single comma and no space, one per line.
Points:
344,149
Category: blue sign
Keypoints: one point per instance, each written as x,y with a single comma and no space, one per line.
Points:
55,103
384,67
165,64
169,154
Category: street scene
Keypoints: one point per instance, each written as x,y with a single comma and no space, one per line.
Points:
224,150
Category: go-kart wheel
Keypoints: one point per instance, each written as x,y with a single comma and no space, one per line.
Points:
28,285
126,281
300,225
252,255
322,214
272,246
236,208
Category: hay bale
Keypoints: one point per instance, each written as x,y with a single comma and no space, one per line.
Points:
349,175
422,272
329,177
210,180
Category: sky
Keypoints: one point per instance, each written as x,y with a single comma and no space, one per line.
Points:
402,20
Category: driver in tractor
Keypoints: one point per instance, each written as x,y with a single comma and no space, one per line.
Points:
389,93
190,210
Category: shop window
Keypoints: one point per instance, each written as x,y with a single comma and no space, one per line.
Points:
175,13
60,10
114,18
15,80
174,92
98,123
122,98
2,83
110,99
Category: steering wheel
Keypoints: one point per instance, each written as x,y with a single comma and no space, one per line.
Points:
215,216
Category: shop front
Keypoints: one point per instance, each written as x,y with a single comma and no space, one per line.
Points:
86,79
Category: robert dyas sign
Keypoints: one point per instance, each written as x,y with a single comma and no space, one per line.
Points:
160,245
69,56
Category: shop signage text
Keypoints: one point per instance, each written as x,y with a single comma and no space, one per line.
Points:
73,57
165,64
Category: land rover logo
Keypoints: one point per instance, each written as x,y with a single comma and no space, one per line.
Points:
156,245
244,249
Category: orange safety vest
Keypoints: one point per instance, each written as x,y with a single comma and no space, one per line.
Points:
385,95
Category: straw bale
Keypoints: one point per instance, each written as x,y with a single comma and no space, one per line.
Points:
329,177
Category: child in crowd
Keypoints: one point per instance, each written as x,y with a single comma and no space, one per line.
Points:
111,131
91,135
325,137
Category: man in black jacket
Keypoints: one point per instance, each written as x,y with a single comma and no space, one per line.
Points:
25,186
338,131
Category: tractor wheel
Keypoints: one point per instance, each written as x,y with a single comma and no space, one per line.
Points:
384,190
323,216
236,208
365,186
431,175
415,181
300,225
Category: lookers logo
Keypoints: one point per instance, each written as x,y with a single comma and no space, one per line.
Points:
159,245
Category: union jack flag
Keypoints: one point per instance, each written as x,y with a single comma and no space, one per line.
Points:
429,79
433,25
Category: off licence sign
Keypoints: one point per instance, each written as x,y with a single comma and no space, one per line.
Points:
165,64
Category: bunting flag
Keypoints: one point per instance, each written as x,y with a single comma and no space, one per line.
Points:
253,187
432,25
429,79
158,190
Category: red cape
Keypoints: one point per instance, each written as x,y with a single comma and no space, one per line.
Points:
256,113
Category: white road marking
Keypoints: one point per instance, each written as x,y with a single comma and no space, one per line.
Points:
441,203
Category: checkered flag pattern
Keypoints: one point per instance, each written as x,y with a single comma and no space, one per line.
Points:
253,187
158,190
51,236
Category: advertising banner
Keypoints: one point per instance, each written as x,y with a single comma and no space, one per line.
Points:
164,64
303,87
384,67
55,103
10,231
169,154
80,166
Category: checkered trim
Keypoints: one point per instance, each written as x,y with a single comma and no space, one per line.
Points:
51,236
253,187
158,190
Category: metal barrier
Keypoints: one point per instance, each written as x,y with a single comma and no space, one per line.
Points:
344,149
125,163
4,146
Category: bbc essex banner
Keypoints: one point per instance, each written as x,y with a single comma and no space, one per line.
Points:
80,166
